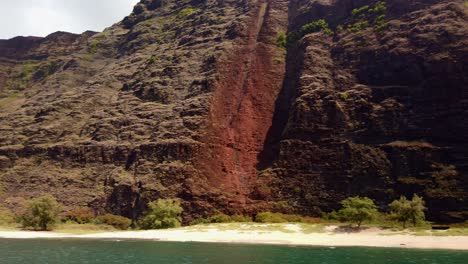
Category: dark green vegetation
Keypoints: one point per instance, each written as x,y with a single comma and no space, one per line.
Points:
146,252
84,216
163,213
361,18
41,213
368,15
7,217
404,210
357,210
316,26
116,221
281,40
269,217
360,209
29,71
186,12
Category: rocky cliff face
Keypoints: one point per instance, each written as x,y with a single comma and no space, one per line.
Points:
200,100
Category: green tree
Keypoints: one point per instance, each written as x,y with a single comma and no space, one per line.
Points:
41,213
163,213
357,210
404,210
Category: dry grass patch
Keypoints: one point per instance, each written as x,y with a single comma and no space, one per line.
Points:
83,229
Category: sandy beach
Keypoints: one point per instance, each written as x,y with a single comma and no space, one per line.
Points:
289,234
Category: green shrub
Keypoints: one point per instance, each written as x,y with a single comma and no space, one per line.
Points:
200,221
186,12
333,215
380,23
281,40
382,26
220,218
7,217
241,218
357,210
20,80
269,217
44,70
94,46
152,60
362,15
41,213
380,19
344,96
316,26
163,213
359,12
379,8
293,218
404,210
358,26
116,221
82,215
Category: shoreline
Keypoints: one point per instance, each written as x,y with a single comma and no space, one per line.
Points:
289,235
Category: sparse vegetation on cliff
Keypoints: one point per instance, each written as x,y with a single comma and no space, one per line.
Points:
368,15
20,79
94,46
316,26
186,12
281,40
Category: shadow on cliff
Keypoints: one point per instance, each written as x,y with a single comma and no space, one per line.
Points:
271,147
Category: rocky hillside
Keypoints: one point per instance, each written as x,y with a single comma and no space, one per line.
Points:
242,106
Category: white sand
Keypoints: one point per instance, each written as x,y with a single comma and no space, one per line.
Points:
292,236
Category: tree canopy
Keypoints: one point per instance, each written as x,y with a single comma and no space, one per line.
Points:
357,210
41,213
163,213
404,210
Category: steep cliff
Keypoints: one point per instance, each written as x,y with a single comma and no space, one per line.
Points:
199,99
377,110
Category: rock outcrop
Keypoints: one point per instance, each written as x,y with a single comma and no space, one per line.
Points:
201,100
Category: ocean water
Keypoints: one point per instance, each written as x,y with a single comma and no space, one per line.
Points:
141,252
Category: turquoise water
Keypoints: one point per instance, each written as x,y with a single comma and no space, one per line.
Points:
141,252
